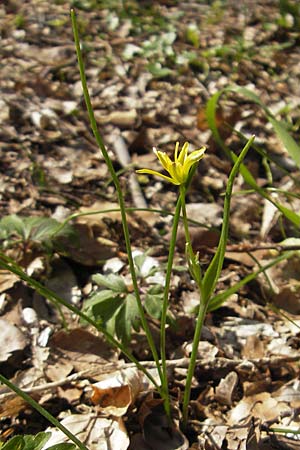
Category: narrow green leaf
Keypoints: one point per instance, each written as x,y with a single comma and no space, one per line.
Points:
219,299
64,446
211,109
279,127
214,269
287,140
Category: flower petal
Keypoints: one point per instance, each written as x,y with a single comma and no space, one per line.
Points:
164,159
158,174
193,157
176,151
183,153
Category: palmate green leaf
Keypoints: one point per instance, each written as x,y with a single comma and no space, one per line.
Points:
154,301
117,313
36,229
13,225
111,281
126,318
15,443
36,442
45,228
103,306
28,442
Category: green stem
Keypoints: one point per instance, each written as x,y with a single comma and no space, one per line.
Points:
200,319
184,216
162,212
208,284
7,264
284,430
187,391
43,412
165,307
121,201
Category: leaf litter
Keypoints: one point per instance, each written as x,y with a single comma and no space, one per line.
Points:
150,75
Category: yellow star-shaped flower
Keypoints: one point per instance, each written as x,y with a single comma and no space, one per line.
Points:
179,168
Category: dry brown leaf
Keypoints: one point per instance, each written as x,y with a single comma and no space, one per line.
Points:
225,390
12,340
115,394
95,432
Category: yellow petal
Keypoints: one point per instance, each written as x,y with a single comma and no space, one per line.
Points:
158,174
177,174
176,151
163,158
193,157
183,154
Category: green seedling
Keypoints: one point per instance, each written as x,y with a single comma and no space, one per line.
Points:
29,232
34,442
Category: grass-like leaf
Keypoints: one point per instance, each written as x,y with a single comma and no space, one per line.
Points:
214,269
219,299
287,140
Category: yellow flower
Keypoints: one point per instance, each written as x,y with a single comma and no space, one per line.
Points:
179,168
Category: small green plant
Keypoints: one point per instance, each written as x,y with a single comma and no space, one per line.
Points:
29,232
34,442
114,305
290,14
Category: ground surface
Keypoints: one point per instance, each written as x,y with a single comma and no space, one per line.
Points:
151,68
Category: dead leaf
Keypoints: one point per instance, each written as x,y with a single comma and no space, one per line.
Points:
12,340
226,389
115,394
97,433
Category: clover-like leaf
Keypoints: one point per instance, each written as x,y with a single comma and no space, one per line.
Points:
111,281
154,301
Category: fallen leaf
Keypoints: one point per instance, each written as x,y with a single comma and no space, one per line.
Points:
12,340
97,433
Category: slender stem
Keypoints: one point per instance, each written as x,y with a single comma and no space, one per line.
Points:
210,279
121,201
43,412
187,391
200,318
165,306
8,264
184,216
128,210
284,430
